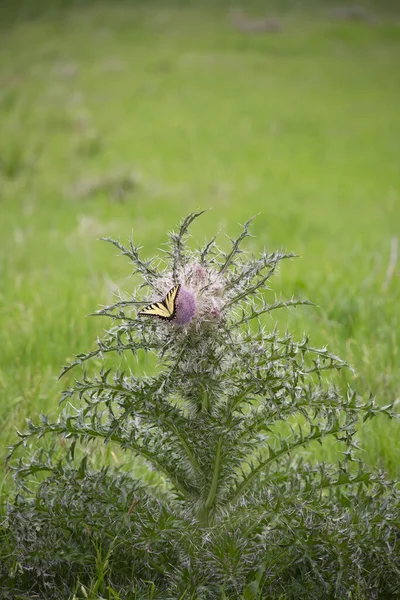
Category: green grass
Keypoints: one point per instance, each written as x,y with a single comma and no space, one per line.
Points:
126,116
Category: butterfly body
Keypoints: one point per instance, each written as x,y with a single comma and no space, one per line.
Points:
165,309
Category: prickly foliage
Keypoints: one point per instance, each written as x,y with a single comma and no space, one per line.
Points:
214,495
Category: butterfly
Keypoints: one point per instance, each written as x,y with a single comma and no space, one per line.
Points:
166,309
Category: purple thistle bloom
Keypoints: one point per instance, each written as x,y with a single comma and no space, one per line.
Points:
200,298
186,307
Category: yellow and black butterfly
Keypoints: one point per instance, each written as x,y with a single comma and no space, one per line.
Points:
166,309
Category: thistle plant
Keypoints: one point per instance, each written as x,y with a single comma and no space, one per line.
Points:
217,492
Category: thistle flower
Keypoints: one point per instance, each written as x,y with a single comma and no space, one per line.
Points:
186,307
200,297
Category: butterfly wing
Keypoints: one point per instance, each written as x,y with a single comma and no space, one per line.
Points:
166,309
170,299
157,309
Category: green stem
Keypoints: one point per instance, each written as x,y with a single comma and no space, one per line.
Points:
241,396
190,455
203,515
214,483
205,402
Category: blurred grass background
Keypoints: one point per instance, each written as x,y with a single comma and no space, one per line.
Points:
125,116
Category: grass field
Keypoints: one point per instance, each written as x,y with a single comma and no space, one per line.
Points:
124,117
